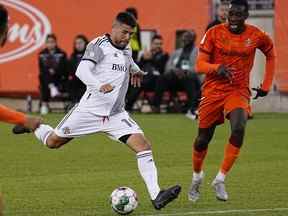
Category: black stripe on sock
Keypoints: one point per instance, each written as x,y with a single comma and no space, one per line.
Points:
144,155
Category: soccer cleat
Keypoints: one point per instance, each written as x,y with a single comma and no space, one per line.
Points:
220,191
166,196
194,192
19,129
191,115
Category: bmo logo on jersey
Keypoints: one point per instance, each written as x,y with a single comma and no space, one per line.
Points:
28,28
119,67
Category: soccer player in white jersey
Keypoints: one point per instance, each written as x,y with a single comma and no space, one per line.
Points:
105,69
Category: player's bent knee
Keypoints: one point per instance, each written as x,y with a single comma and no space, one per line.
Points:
55,142
238,130
138,143
201,143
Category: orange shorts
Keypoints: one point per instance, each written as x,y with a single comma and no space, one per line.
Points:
213,109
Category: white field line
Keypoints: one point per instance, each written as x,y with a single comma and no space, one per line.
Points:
223,212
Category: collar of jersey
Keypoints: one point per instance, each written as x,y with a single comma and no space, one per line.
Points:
114,45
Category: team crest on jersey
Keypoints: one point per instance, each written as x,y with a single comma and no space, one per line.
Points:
66,130
115,55
248,42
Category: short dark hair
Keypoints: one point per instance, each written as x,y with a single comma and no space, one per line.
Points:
157,36
53,36
126,18
241,2
132,11
3,16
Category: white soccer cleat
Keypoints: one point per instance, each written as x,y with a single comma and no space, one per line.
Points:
194,191
191,115
219,187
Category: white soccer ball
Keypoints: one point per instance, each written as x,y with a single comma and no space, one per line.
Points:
124,200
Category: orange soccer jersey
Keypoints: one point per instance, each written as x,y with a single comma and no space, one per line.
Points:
221,47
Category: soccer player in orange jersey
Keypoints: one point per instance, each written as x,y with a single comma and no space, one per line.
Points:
6,114
226,56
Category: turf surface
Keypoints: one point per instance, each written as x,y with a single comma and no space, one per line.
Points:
78,179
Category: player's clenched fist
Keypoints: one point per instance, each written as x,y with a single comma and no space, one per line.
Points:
226,72
33,122
106,88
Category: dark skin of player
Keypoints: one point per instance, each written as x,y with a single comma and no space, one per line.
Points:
238,117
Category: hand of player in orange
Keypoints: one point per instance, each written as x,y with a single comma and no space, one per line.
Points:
259,92
33,122
106,88
226,72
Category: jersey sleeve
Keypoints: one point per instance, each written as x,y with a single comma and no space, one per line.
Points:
206,44
267,47
265,43
93,53
206,49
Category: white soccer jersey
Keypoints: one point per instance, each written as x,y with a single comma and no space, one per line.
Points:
112,66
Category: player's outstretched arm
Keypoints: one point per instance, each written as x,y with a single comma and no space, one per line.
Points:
269,70
267,48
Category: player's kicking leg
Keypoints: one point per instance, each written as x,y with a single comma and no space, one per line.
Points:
45,134
146,165
200,148
238,119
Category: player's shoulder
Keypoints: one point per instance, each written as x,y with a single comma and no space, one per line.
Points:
216,30
100,41
255,30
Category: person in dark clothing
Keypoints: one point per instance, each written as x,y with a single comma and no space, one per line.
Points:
153,62
180,75
221,14
53,72
3,25
75,86
135,41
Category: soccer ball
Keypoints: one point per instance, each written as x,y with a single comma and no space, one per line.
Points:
124,200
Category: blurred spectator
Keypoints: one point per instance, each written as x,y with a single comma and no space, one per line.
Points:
221,14
53,72
135,41
152,61
3,25
180,75
75,86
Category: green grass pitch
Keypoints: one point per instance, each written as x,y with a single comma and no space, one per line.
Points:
77,180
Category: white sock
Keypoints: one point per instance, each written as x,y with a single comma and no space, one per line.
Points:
148,172
198,176
220,176
43,132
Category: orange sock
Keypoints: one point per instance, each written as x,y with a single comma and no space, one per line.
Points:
230,155
11,116
198,159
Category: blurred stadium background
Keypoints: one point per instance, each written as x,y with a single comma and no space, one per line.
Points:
31,21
